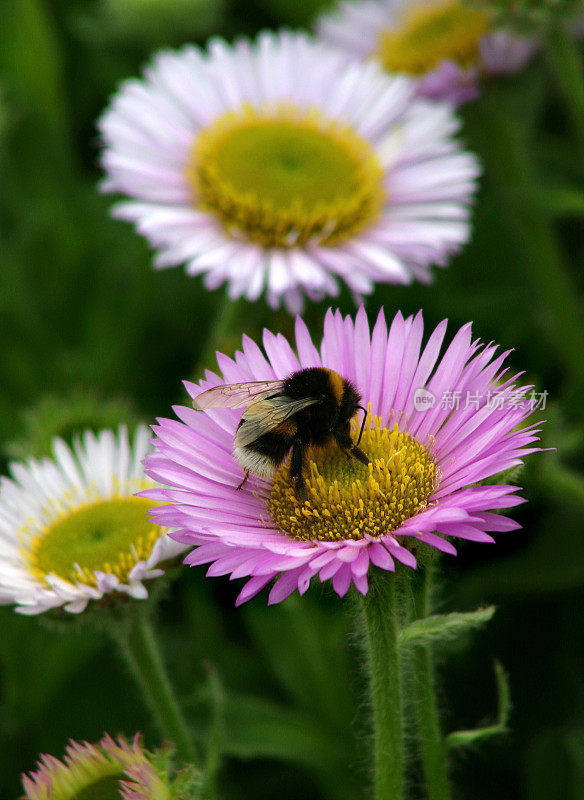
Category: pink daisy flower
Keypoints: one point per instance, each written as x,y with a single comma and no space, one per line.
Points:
439,425
447,45
282,166
109,768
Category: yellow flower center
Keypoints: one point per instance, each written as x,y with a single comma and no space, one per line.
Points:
351,500
107,535
431,34
283,177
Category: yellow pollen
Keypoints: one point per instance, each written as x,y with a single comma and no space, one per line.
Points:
430,34
110,536
282,177
351,500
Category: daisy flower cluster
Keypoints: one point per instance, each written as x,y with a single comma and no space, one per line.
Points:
447,46
289,167
422,485
72,530
283,166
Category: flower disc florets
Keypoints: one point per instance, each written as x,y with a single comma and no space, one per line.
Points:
428,457
351,500
285,177
109,536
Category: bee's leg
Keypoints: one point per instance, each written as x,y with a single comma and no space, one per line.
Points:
357,453
296,462
346,443
244,481
343,439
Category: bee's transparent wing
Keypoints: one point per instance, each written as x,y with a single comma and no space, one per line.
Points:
265,415
236,395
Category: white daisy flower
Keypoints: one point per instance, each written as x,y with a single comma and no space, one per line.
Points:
71,529
282,166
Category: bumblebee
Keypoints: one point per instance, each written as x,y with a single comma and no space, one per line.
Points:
310,407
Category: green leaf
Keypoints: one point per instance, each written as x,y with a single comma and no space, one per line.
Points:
559,480
564,201
31,59
566,65
152,23
465,738
442,627
259,728
36,662
291,12
304,649
209,642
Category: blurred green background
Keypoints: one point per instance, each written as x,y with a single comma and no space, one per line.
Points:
92,336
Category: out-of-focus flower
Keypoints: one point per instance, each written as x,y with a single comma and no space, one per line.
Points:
281,166
447,45
439,426
109,769
71,530
86,767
